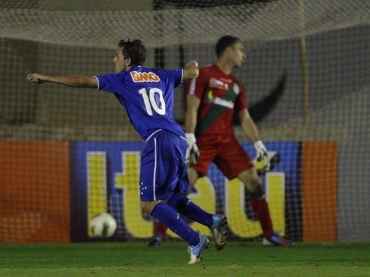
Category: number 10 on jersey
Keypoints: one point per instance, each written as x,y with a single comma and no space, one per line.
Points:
153,100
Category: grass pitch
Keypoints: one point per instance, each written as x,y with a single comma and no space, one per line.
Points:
171,259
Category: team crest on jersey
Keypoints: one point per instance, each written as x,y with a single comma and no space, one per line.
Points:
236,88
139,77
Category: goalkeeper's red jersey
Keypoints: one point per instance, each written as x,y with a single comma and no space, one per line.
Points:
220,95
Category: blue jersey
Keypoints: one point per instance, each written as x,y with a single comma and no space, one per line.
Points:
147,95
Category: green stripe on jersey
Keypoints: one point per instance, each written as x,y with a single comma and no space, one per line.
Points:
216,111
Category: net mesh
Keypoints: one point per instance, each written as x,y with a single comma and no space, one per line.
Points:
309,60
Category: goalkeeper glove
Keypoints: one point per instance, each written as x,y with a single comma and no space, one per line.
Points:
274,159
192,152
262,157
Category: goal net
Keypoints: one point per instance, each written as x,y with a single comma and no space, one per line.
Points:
67,154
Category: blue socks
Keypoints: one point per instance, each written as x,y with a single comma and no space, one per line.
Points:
186,207
170,218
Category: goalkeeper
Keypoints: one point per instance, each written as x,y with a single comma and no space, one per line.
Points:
212,99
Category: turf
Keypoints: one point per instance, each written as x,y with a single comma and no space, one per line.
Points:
171,259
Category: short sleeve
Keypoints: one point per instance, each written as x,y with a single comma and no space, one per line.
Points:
178,77
108,82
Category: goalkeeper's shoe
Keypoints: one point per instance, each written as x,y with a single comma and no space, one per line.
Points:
155,240
196,251
276,240
218,231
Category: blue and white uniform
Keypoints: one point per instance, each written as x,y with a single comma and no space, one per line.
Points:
148,97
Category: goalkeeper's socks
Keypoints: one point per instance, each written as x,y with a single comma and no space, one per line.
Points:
160,229
189,209
260,207
166,214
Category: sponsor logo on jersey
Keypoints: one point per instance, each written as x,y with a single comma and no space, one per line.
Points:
223,103
215,83
219,101
139,77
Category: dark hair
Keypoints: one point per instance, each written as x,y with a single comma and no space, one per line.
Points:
135,50
225,42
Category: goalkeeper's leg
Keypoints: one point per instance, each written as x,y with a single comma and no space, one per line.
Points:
260,207
159,233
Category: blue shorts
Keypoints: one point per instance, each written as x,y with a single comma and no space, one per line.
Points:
163,170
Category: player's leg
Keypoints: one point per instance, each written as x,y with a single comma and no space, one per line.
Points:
216,223
166,214
219,222
208,154
193,176
160,230
162,165
182,204
257,199
259,204
233,161
186,207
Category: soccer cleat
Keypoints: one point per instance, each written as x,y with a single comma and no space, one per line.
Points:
218,231
196,251
155,240
276,240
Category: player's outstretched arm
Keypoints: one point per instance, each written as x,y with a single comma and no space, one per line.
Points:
191,70
66,80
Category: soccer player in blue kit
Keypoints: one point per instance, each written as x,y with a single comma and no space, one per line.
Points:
148,97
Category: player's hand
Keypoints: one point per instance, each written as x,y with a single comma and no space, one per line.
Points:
35,78
192,63
262,155
274,158
192,152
